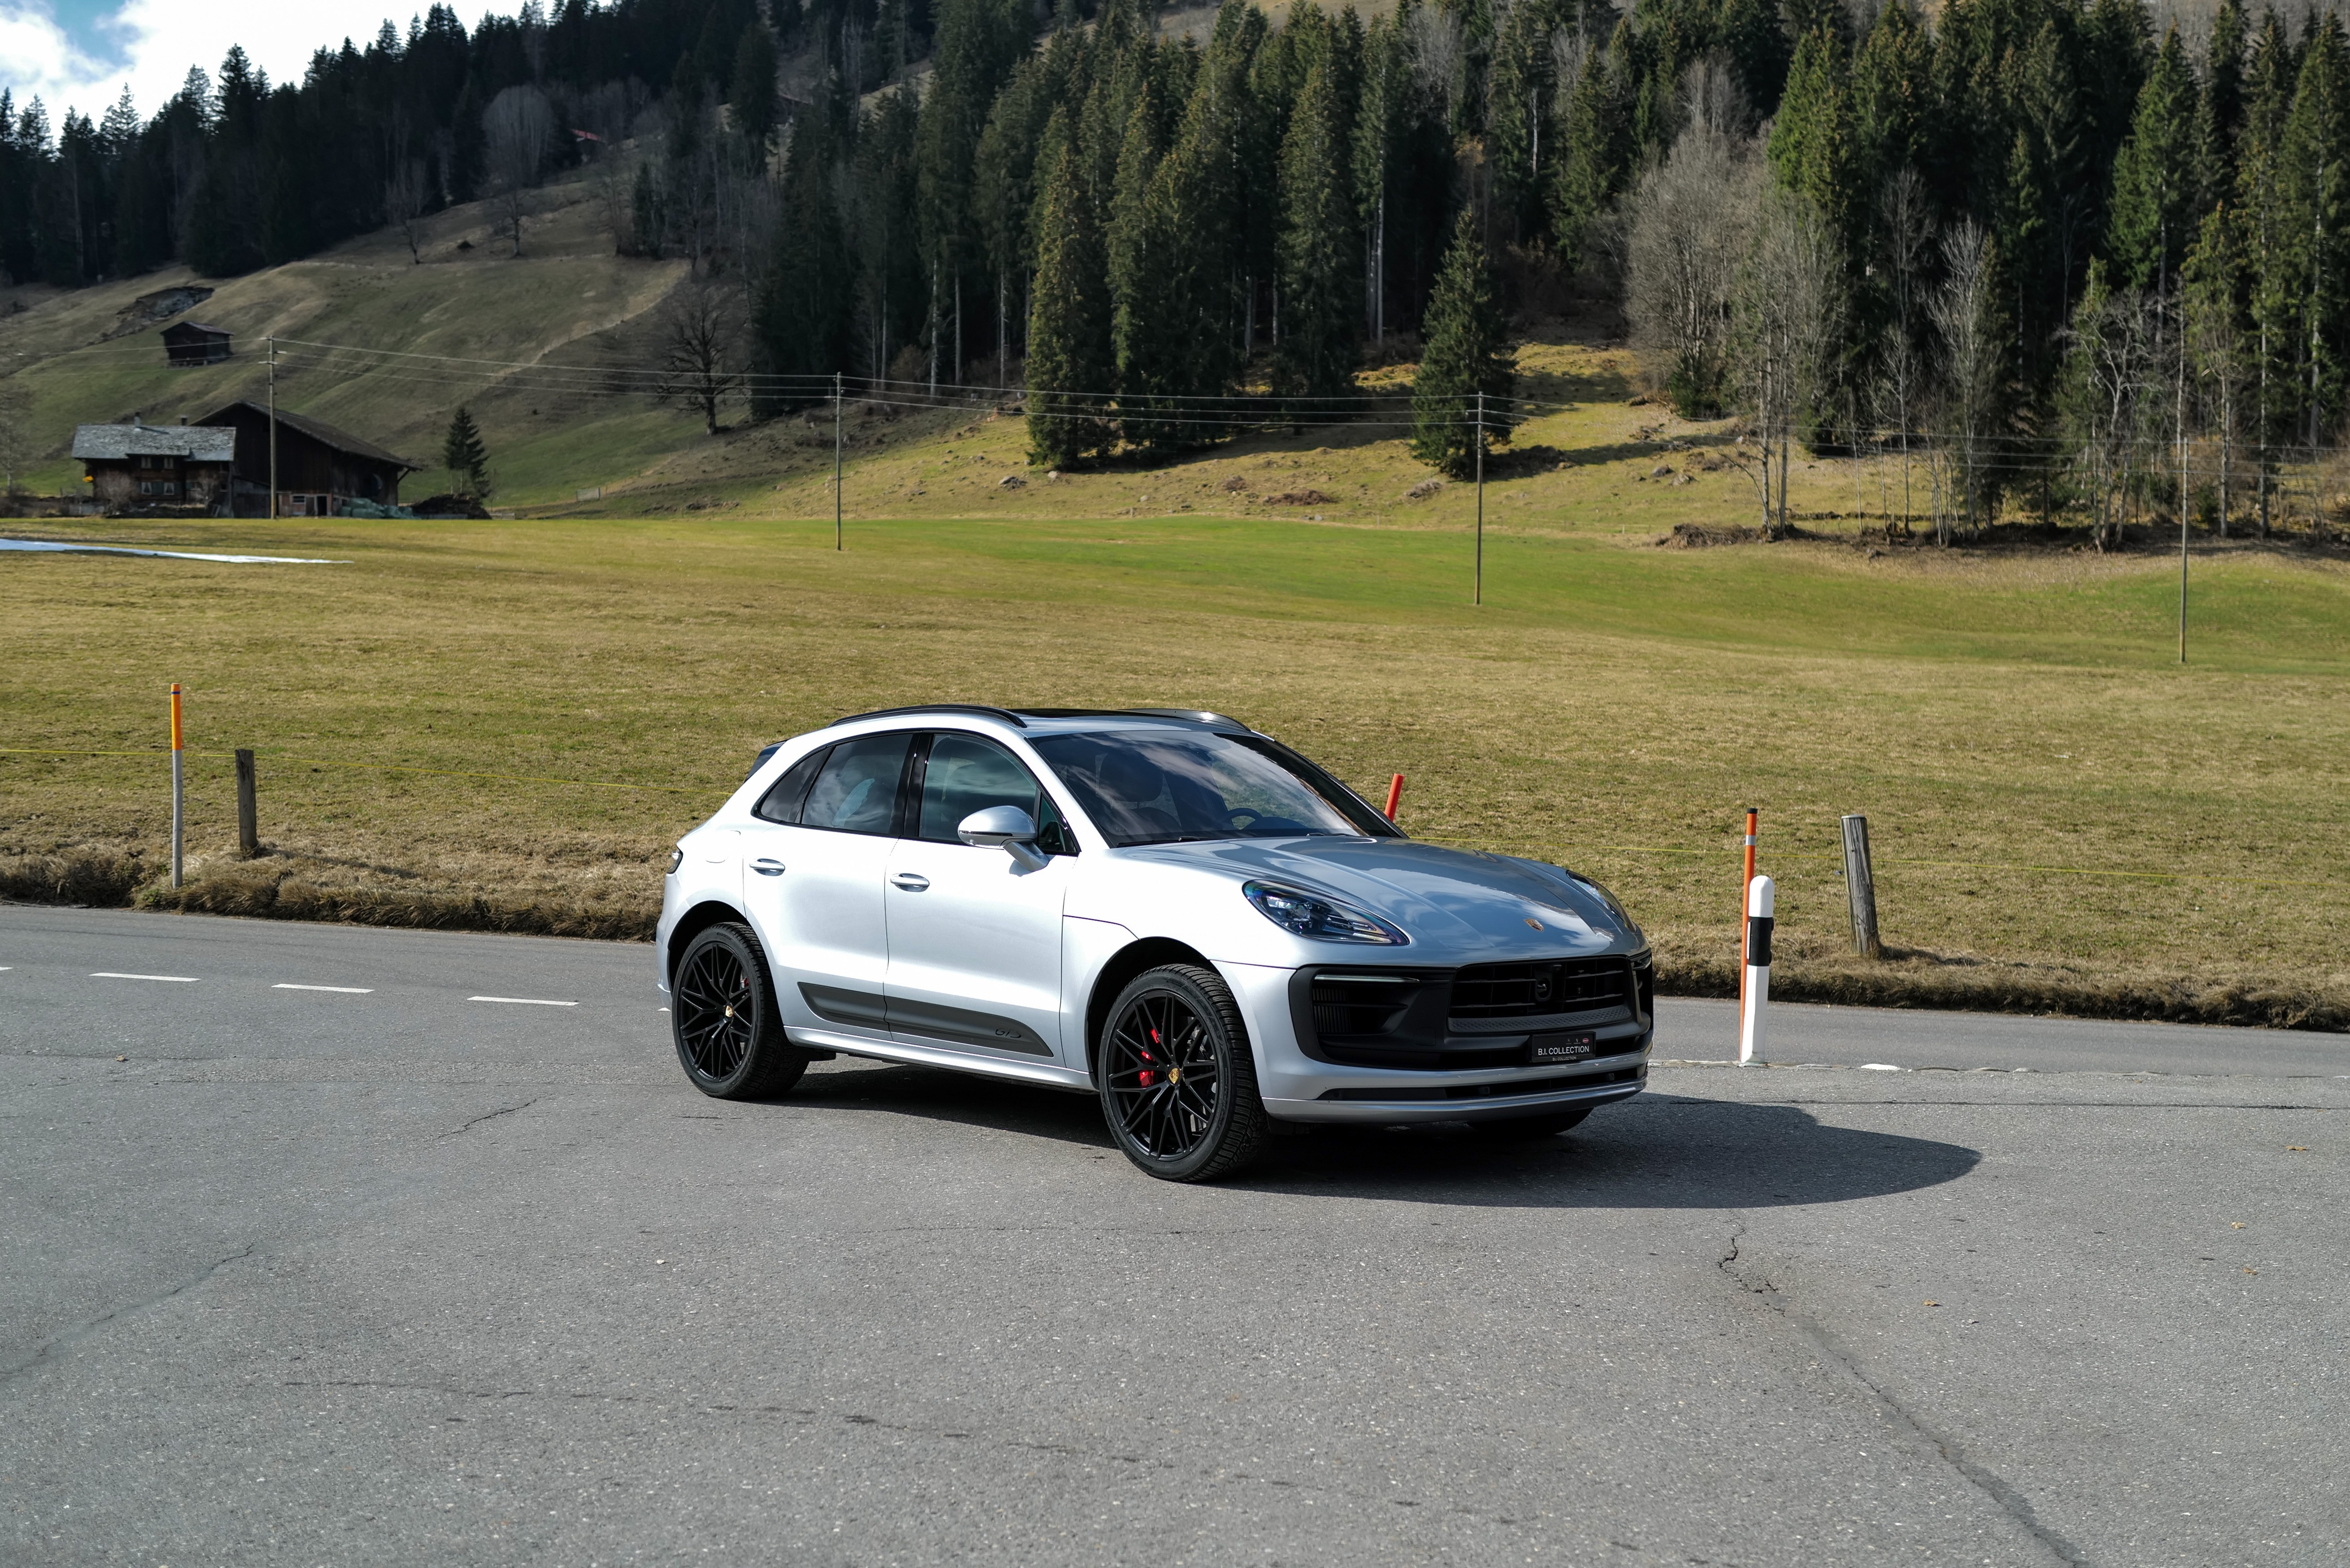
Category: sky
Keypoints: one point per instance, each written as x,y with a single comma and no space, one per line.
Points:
82,53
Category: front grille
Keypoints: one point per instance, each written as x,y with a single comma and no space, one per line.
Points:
1535,989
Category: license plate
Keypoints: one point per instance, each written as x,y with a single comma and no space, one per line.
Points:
1549,1049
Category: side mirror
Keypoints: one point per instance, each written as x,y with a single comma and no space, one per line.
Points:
997,827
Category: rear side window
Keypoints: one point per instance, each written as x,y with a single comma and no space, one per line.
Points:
781,804
855,791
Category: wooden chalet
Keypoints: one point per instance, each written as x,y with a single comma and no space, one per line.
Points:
190,343
320,468
134,465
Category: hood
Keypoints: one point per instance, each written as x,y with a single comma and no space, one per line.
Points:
1443,898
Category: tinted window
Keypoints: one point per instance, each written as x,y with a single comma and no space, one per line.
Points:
1156,787
781,804
965,773
857,789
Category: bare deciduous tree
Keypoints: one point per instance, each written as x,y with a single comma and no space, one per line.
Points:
516,128
2114,348
699,332
1907,220
1440,55
1691,216
1970,364
404,196
1790,309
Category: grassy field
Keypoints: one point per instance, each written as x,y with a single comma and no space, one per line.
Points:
2063,815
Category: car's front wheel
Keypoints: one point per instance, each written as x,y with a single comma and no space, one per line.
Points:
730,1037
1178,1084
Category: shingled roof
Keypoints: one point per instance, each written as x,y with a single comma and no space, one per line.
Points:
321,432
197,443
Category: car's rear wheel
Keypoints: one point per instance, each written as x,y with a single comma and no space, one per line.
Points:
730,1037
1178,1084
1530,1129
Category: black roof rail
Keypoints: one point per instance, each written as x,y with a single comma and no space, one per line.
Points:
1197,716
1006,714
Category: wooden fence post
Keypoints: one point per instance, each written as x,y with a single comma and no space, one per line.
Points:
248,832
1860,888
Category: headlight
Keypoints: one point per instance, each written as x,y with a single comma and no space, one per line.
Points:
676,859
1324,919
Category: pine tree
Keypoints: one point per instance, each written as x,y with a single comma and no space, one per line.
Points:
1321,258
464,456
2268,102
1069,366
1597,157
2155,206
1145,325
2220,110
2313,221
751,103
1467,353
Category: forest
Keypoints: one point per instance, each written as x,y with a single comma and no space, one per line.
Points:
2047,255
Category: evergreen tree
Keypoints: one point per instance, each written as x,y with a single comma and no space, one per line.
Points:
751,102
464,456
2219,111
802,309
1467,353
2155,205
1069,354
2260,144
2313,224
1520,133
1597,156
1321,258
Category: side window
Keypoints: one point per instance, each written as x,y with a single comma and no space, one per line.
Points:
781,803
966,773
857,789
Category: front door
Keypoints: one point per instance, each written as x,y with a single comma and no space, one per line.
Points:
974,934
814,880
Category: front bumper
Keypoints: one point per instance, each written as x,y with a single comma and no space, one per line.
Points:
1298,1088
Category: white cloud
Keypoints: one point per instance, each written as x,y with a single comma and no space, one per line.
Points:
155,42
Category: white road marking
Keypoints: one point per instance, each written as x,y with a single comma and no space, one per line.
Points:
112,974
345,990
524,1001
1878,1068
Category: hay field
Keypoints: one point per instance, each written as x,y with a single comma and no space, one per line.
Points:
2008,724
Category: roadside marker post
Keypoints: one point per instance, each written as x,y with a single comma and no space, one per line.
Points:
1395,795
248,823
179,790
1762,894
1745,882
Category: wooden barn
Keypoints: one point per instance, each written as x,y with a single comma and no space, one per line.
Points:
134,465
189,343
319,468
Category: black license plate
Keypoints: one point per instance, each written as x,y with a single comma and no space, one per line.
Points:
1551,1049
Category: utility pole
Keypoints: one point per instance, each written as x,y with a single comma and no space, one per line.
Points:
1478,596
273,428
836,459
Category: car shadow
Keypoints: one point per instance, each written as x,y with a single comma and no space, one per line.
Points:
1657,1151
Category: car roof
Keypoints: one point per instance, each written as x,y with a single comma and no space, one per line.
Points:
1059,720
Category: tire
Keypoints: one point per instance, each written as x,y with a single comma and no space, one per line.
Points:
1531,1129
730,1037
1163,1029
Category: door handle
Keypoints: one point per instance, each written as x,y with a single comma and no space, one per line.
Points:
911,881
767,868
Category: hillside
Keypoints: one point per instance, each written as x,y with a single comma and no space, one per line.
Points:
566,301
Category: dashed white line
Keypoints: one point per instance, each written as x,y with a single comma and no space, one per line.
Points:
343,990
116,974
524,1001
1878,1068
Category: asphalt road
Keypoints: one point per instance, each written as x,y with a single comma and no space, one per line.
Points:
393,1272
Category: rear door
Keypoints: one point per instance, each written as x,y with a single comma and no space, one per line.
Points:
813,877
974,935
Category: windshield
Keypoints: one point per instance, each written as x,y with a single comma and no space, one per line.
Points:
1143,786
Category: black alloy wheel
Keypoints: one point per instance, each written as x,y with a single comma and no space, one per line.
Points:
1178,1084
730,1038
1530,1129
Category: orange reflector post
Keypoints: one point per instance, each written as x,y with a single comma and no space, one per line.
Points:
1395,795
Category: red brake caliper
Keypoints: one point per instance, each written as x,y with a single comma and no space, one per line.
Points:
1149,1077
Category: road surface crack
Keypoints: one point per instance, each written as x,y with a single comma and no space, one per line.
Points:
2009,1500
492,1116
71,1337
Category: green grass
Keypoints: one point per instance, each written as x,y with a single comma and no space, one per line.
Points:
2007,725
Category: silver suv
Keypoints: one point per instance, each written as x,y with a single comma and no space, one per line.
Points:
1161,908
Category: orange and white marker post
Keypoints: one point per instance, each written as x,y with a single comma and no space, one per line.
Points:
1745,882
1395,796
179,790
1762,894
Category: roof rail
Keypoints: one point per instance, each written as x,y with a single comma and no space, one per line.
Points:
1006,714
1198,716
1180,716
